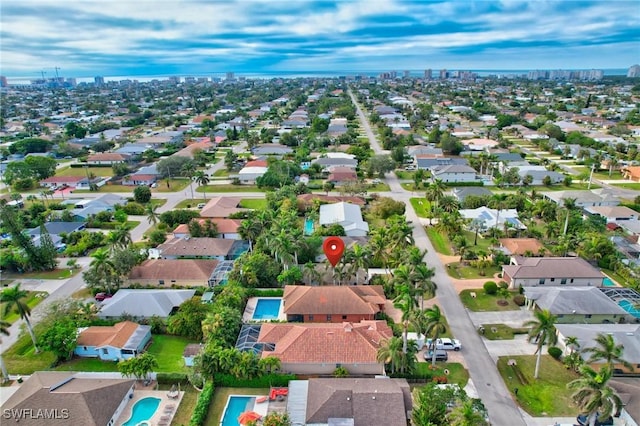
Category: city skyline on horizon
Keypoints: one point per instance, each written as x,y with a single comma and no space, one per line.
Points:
161,38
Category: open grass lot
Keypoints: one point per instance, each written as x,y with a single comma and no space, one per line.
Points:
82,171
253,203
32,300
502,331
168,351
190,203
420,206
466,272
175,185
221,173
484,302
213,189
628,185
440,241
546,396
188,403
107,188
220,397
56,274
457,373
22,359
378,187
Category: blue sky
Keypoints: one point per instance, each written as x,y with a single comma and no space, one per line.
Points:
198,37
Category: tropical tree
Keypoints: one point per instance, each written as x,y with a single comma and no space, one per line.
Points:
435,191
139,366
310,273
593,394
422,279
202,179
188,170
119,238
466,413
569,205
14,298
103,268
151,210
449,203
607,351
407,304
4,329
572,344
543,331
391,353
434,327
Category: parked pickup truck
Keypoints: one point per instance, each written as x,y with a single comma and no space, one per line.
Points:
446,344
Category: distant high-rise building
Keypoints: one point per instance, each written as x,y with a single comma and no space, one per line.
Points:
99,81
71,82
634,71
174,79
407,73
443,74
428,74
3,81
230,76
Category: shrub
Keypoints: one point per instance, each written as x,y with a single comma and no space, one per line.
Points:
171,378
201,409
142,194
135,209
340,372
490,288
265,381
503,284
555,352
519,299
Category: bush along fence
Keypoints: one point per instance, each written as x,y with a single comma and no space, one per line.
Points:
201,409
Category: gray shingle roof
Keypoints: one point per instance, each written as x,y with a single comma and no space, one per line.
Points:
144,303
573,300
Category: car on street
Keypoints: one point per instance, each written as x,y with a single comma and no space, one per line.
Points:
441,355
445,344
100,297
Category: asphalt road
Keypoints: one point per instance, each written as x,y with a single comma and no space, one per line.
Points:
482,369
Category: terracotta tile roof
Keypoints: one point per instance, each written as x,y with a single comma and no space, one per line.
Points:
344,343
521,246
174,269
116,335
552,267
334,300
143,177
256,163
107,156
196,247
221,207
224,226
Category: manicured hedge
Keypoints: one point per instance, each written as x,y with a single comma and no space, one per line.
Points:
201,409
277,380
79,165
464,183
269,292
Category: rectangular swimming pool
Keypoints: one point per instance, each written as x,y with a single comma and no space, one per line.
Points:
236,405
267,309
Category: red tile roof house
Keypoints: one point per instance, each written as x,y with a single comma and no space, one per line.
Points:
112,343
341,175
107,158
333,303
551,271
170,272
72,181
221,207
321,348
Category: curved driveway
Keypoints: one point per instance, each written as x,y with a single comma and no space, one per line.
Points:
491,389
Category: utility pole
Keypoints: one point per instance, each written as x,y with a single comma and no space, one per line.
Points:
593,167
43,73
57,77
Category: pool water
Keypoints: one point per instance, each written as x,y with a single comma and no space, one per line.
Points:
142,411
267,309
236,405
629,307
308,227
608,283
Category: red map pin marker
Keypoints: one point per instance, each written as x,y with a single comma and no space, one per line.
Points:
333,248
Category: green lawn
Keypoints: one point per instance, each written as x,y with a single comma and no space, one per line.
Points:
88,364
221,173
378,187
158,202
81,171
187,404
22,359
546,396
175,185
32,300
56,274
168,351
190,203
465,272
421,206
628,185
457,373
253,203
501,331
440,241
484,302
213,189
220,397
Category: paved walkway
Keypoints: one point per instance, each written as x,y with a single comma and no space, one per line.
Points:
510,318
518,346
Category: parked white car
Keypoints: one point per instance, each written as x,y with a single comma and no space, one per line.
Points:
446,344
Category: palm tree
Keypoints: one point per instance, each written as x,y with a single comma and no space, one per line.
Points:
406,303
572,343
152,214
422,278
4,329
449,204
607,350
569,204
391,352
543,330
359,259
434,192
188,169
311,273
593,394
466,414
15,298
202,179
434,327
120,237
103,265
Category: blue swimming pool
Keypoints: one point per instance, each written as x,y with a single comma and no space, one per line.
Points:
608,283
308,227
629,307
267,309
142,411
236,405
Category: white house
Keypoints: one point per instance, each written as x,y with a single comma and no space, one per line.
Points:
111,343
454,173
347,215
492,218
